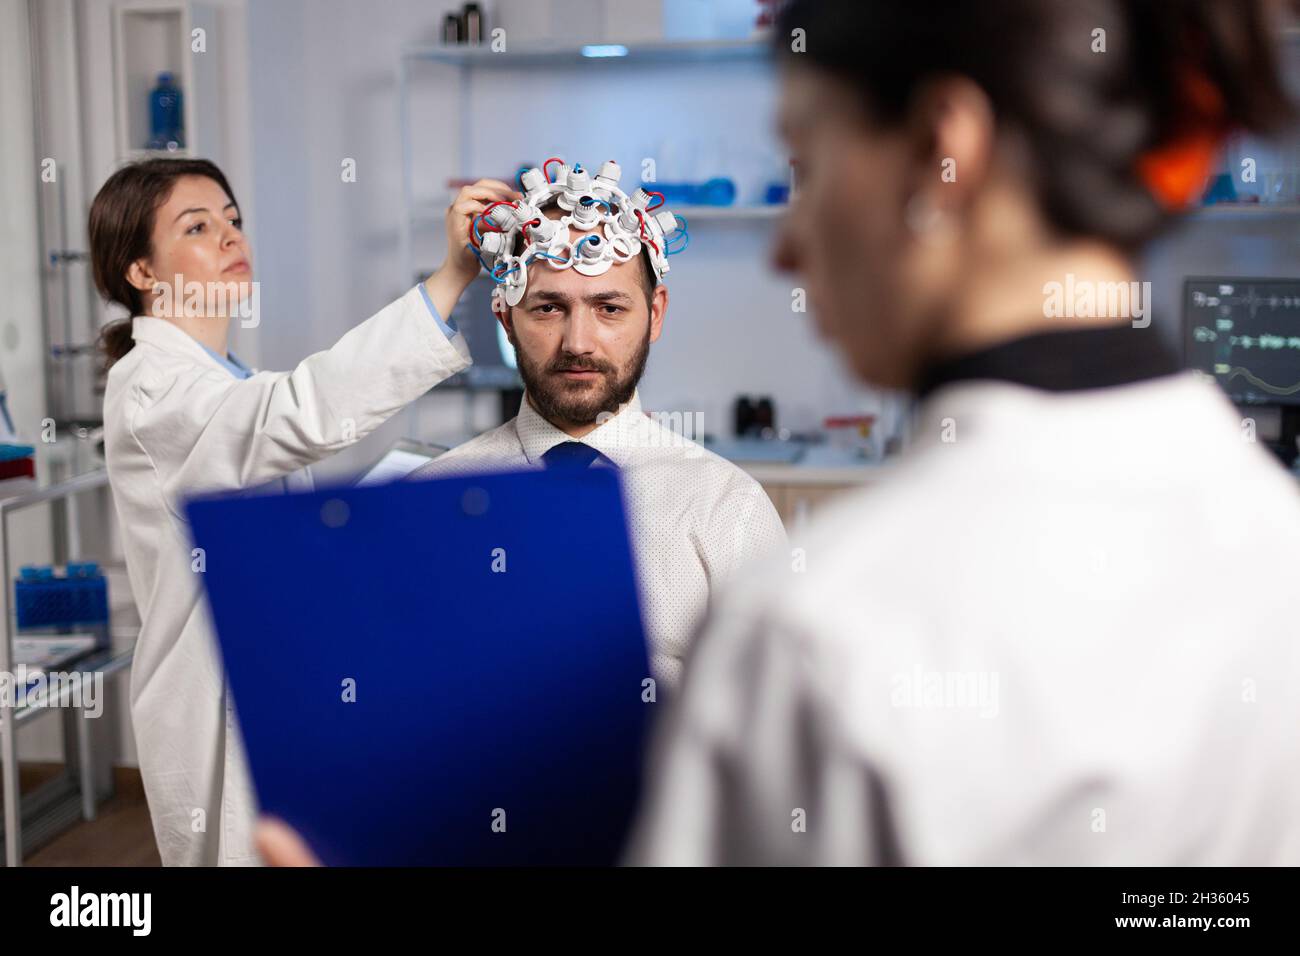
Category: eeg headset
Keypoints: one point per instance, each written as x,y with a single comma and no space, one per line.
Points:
600,225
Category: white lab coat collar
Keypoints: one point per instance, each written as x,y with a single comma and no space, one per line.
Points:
996,409
171,338
613,438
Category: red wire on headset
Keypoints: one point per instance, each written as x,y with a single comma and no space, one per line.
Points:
487,226
641,219
499,202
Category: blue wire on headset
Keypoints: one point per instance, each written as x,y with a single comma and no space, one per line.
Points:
478,256
491,275
682,233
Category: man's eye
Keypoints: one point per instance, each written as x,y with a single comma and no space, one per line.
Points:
612,309
540,308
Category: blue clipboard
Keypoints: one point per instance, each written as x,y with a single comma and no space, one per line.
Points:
492,634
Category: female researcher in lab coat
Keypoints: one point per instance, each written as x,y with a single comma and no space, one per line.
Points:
182,415
1063,628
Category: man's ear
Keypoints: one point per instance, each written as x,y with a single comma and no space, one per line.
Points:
658,309
141,276
503,316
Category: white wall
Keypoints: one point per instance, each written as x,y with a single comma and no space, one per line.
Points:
21,347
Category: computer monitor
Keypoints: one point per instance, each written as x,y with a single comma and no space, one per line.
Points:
494,357
1245,333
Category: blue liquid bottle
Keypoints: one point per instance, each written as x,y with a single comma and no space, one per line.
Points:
166,123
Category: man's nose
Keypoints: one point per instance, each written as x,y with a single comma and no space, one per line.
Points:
580,332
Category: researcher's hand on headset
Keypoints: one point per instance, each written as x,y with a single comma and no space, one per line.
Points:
280,844
469,202
449,282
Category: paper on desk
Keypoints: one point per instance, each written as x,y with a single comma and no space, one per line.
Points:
41,654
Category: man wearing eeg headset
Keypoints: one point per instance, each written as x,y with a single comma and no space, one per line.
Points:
578,266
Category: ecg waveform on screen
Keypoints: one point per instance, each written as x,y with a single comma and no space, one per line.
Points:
1247,334
1228,299
1260,383
1264,340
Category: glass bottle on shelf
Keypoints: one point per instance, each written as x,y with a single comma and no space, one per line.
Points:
166,118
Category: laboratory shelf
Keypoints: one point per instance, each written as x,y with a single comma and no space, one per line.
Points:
31,819
465,61
425,214
729,213
106,661
665,52
1245,210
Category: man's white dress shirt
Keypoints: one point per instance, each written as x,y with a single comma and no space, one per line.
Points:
694,517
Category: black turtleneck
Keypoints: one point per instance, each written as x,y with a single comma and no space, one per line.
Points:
1062,360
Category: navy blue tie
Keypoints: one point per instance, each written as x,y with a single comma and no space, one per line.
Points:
571,456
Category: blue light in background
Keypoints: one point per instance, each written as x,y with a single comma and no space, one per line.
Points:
604,49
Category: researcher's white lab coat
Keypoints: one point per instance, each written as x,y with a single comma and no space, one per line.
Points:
1065,630
177,422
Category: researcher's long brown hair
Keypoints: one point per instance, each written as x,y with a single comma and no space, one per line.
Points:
121,232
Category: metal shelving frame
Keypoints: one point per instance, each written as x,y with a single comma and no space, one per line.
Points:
59,803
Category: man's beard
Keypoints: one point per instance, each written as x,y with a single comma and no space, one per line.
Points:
563,402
